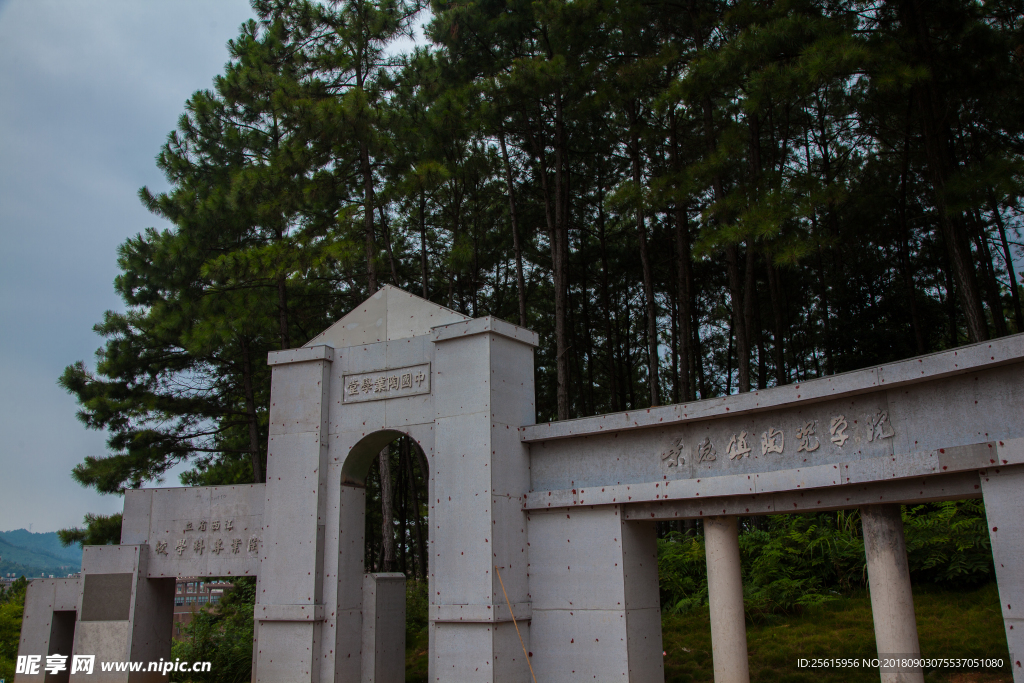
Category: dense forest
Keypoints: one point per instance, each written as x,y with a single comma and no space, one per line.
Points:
684,198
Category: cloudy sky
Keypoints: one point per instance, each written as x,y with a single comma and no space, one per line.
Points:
89,90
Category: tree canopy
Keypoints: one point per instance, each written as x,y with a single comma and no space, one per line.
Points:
685,199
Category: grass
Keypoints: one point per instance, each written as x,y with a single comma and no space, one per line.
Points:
950,624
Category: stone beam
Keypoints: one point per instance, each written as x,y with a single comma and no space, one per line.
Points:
959,486
964,359
196,530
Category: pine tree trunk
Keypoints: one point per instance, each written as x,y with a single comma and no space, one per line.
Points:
386,232
698,356
282,309
402,494
609,336
954,335
371,242
560,256
423,244
685,279
387,530
903,243
520,281
732,255
1008,258
648,277
414,495
988,274
938,155
778,326
250,413
736,285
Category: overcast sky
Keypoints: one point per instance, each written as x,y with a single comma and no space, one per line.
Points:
89,90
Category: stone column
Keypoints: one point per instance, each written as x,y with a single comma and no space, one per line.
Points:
594,584
892,602
725,595
289,603
483,393
1002,488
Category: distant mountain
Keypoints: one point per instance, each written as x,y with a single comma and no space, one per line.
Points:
25,553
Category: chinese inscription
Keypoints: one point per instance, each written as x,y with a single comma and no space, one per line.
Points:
199,545
375,386
675,454
705,450
738,447
879,427
837,428
808,442
773,439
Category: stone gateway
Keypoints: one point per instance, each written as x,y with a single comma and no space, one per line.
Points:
564,511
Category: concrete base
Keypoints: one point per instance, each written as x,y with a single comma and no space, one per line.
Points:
1003,489
892,602
48,625
383,628
725,595
124,616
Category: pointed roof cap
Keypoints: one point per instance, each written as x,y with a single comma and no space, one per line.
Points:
388,314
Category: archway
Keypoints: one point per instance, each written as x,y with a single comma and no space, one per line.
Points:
391,469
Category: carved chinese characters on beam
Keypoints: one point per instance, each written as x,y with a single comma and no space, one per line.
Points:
773,439
674,454
376,386
216,537
738,447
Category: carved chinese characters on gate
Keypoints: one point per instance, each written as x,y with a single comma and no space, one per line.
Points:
375,386
216,537
806,438
738,447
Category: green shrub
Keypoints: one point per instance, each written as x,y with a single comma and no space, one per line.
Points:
948,543
222,637
12,607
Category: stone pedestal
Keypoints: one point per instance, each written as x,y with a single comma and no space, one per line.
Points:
383,628
596,612
725,595
892,602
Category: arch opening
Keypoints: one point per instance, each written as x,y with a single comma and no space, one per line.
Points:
391,472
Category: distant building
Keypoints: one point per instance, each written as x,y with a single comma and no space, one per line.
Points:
191,594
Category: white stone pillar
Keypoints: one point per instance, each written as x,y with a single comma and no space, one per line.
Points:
725,594
892,602
1002,488
594,584
289,604
483,392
